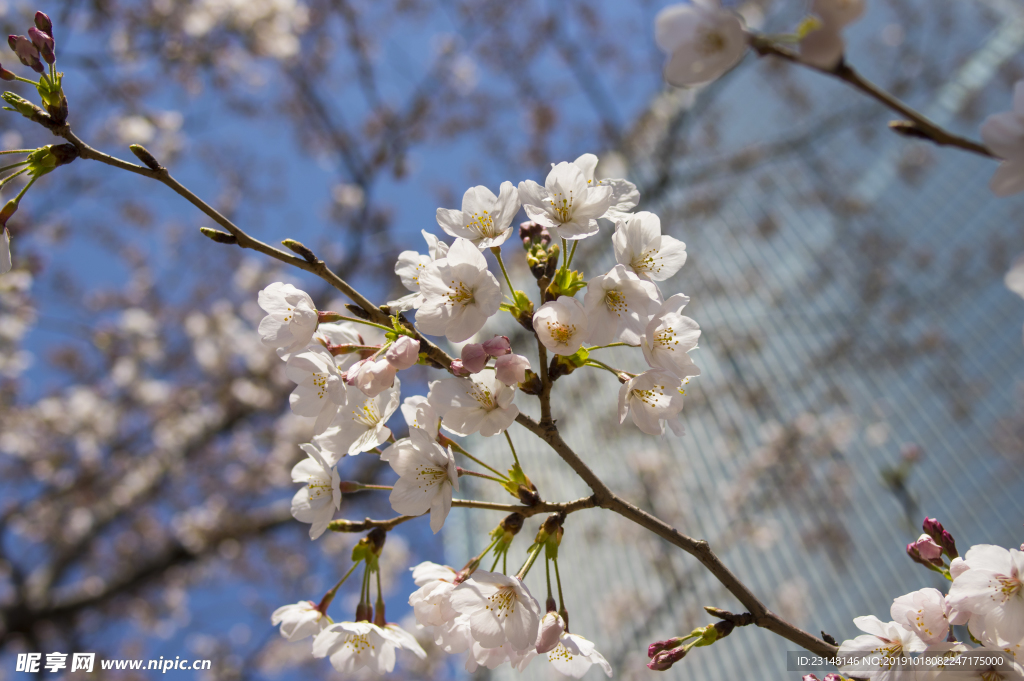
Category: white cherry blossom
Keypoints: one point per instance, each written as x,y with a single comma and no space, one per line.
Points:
653,398
430,602
492,658
552,626
643,249
291,317
669,338
924,613
403,353
321,497
618,306
575,655
883,639
299,620
321,388
485,219
561,325
823,47
360,424
992,591
568,205
459,293
703,41
481,404
1003,133
410,266
427,476
5,252
625,196
418,413
401,639
354,645
501,610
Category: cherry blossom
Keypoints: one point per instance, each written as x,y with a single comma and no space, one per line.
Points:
410,267
625,196
427,475
703,41
643,249
567,204
354,645
291,317
1003,133
561,325
924,613
419,414
371,376
320,390
5,252
1014,279
823,47
321,497
300,620
501,610
552,626
403,353
481,404
459,293
430,602
653,398
618,306
885,639
511,369
669,338
360,425
485,219
498,346
575,655
992,591
403,640
474,357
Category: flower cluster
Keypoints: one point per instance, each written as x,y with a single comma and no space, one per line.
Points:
986,594
346,374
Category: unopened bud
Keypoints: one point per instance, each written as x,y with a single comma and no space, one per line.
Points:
218,236
934,529
299,249
143,155
26,51
44,24
915,555
527,496
659,646
532,234
512,523
6,75
808,677
9,209
665,659
459,369
44,43
474,357
498,346
832,677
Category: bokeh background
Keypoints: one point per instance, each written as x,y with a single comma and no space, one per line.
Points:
862,361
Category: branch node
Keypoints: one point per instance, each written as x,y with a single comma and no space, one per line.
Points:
909,129
218,236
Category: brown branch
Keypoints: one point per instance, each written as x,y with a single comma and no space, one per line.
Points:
917,125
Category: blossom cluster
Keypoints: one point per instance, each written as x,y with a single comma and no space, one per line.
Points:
986,594
347,384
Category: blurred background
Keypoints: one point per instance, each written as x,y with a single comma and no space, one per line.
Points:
862,362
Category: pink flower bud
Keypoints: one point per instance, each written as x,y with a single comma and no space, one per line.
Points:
6,75
927,547
460,370
808,677
551,629
474,357
44,24
26,51
44,43
511,369
831,677
498,346
659,646
371,376
666,658
403,353
934,529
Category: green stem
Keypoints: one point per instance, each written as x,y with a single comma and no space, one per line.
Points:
380,592
26,80
380,487
357,320
325,602
12,176
17,151
537,548
514,457
558,578
501,263
602,365
463,471
12,166
469,456
611,345
24,189
547,572
565,254
497,557
575,243
504,563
